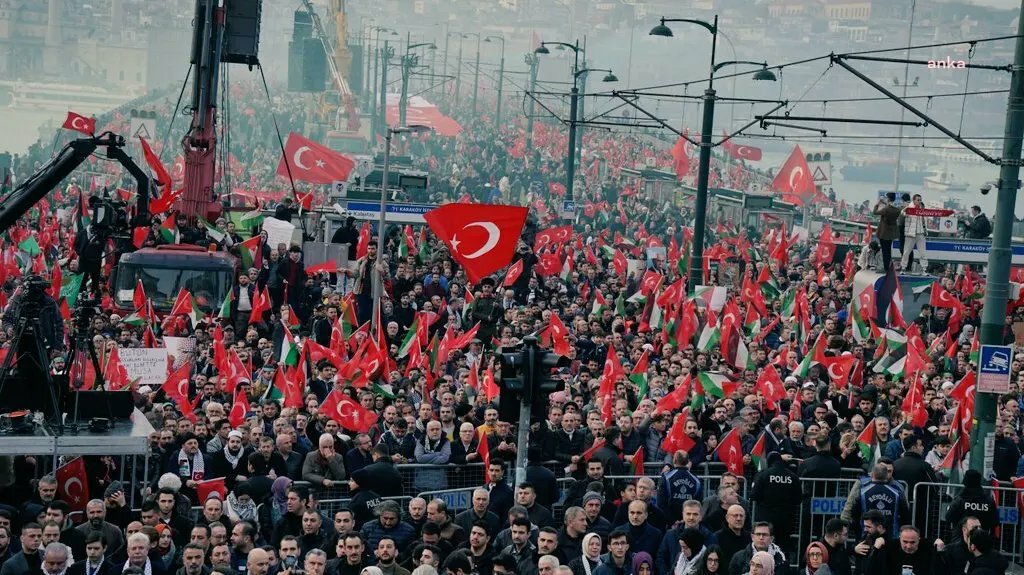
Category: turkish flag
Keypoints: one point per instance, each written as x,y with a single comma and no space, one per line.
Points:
552,236
159,171
741,152
481,237
205,488
681,161
73,484
311,162
771,387
239,409
676,438
514,271
794,177
347,412
559,341
730,452
80,123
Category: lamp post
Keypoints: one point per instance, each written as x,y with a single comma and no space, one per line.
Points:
386,54
378,285
444,60
534,63
476,74
367,30
372,98
707,126
577,50
409,61
501,78
458,73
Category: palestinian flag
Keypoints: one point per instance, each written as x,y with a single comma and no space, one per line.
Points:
252,219
639,375
599,304
289,349
383,389
715,384
212,231
225,308
757,454
168,231
789,303
867,440
185,304
251,251
710,337
410,337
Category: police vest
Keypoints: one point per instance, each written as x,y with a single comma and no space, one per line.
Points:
884,498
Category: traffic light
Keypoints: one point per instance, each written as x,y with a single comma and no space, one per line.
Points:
513,383
544,379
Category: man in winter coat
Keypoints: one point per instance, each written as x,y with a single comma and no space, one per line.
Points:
324,467
618,559
973,501
678,484
986,558
777,497
642,535
888,228
761,539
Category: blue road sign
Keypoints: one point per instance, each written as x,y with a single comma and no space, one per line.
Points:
394,212
994,368
568,209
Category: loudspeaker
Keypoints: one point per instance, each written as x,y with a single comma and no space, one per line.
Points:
302,25
356,68
295,66
115,404
242,31
314,65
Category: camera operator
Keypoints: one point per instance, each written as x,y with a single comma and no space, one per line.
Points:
977,225
89,244
31,298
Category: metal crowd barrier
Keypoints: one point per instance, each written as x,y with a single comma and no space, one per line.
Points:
931,502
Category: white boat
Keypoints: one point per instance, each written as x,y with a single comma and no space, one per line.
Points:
944,181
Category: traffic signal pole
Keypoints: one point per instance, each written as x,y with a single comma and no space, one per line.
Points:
525,403
993,315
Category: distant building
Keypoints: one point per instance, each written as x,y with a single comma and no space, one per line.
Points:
832,10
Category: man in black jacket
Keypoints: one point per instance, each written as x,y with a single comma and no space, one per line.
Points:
913,469
382,475
955,556
777,496
985,557
347,234
909,550
836,532
733,537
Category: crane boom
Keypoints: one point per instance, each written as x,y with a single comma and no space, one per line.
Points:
340,82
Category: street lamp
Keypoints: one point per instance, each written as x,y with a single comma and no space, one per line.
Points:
570,165
707,126
476,75
501,78
570,160
376,68
378,285
409,61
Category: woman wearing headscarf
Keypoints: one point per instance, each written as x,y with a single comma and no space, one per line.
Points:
712,562
691,552
587,563
762,563
816,560
643,564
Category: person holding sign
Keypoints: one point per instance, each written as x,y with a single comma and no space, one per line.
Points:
914,238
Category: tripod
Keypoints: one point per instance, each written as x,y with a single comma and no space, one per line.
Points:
29,359
83,344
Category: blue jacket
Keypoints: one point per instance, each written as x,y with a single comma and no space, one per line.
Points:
373,532
677,486
606,566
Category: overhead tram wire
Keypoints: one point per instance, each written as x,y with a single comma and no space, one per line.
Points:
825,57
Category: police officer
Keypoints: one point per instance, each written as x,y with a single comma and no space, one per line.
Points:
878,493
776,491
678,485
973,501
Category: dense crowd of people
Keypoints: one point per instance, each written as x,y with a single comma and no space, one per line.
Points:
694,426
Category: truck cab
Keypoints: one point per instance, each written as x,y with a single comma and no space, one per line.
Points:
164,270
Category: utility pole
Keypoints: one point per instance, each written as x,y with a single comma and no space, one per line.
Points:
476,75
501,83
382,112
578,143
458,74
533,61
570,160
997,291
